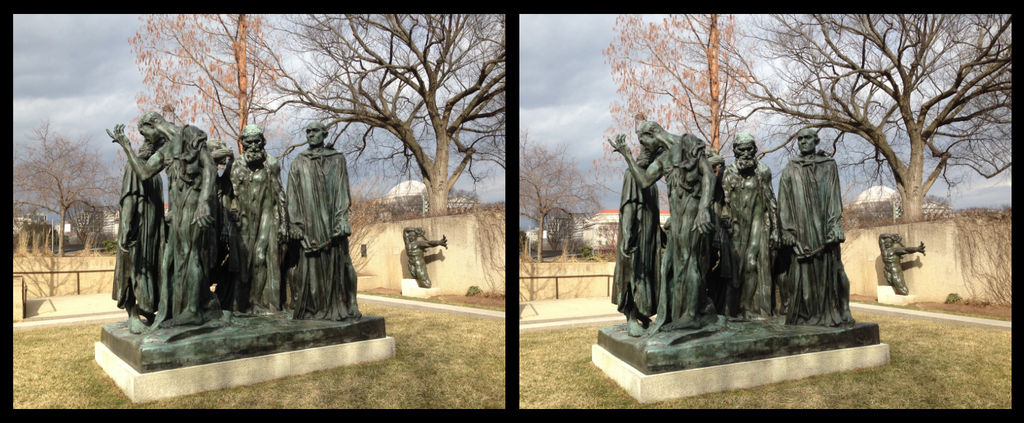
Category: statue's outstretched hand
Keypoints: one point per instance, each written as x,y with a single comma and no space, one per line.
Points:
619,144
118,135
444,242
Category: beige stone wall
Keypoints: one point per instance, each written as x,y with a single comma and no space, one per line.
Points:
475,255
544,289
932,276
54,285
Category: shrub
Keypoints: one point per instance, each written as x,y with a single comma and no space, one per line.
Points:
109,246
586,252
473,290
953,298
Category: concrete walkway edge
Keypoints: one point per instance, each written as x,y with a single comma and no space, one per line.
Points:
119,315
604,318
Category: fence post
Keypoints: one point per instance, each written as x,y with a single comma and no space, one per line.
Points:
556,287
78,283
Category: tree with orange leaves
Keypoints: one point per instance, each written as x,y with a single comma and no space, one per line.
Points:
205,69
682,72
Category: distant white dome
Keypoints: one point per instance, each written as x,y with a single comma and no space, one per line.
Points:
877,193
406,188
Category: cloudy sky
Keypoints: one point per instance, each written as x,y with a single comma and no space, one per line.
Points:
566,90
77,71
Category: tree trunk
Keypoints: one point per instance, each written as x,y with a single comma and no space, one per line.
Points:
540,239
714,102
912,204
60,236
241,49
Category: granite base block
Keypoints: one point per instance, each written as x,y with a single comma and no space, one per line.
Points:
728,341
410,288
152,386
232,338
647,388
887,295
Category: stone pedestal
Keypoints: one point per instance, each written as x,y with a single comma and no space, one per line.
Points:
886,295
412,289
242,350
731,355
748,374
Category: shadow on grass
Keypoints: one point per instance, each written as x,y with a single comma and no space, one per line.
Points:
932,365
55,368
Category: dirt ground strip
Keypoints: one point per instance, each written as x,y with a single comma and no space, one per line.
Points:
965,307
484,299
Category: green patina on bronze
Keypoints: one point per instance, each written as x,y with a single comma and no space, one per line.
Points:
190,246
811,220
892,248
727,341
261,217
416,244
139,243
322,278
238,337
231,230
682,300
749,214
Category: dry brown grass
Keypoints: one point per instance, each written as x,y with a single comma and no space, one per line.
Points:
442,361
933,365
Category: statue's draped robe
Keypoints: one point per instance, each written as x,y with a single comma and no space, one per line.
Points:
190,252
261,214
810,205
750,205
139,242
318,206
723,288
229,275
683,301
638,251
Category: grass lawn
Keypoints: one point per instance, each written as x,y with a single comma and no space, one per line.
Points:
932,365
442,361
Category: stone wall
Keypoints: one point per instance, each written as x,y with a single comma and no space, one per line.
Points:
950,265
544,289
52,285
963,256
475,255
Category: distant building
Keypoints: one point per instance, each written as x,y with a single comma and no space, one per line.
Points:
602,229
881,201
411,197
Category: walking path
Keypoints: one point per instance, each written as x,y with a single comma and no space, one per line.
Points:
99,308
536,315
575,312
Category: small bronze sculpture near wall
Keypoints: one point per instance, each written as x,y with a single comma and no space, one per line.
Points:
416,244
892,248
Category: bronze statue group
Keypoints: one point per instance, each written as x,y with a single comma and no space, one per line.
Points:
730,247
238,242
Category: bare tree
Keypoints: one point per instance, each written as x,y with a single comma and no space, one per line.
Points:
686,70
207,69
55,173
436,83
549,181
927,93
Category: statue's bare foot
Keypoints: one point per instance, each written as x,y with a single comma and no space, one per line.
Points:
634,328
